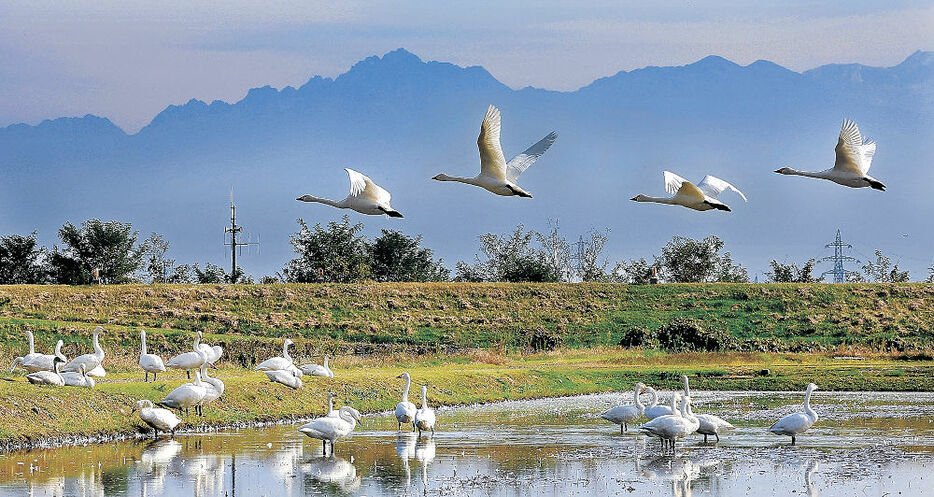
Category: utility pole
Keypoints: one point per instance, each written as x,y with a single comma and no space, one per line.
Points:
838,258
234,244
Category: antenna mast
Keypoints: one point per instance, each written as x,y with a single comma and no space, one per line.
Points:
234,244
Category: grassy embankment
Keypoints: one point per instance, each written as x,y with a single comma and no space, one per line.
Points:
470,342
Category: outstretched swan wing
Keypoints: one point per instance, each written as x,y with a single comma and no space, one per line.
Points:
673,182
362,186
713,186
518,164
853,154
492,160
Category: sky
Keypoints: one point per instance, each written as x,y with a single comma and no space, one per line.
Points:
128,60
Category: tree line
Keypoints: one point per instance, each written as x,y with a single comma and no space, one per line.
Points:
112,253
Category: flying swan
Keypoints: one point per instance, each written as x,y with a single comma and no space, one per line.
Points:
854,155
700,197
366,197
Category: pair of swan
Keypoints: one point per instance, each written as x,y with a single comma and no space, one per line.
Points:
332,428
496,175
853,158
318,369
62,379
795,424
187,396
157,418
623,415
34,362
282,369
91,362
671,427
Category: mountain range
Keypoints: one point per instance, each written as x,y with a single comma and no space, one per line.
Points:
402,120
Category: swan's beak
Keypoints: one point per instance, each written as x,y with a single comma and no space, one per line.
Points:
400,376
437,177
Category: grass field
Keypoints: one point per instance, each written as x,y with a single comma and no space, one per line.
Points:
470,342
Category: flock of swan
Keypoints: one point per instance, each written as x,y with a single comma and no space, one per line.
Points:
851,168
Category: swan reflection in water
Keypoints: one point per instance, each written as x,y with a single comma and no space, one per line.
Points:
405,449
424,454
153,462
808,473
331,470
680,470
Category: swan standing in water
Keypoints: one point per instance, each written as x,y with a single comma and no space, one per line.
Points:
425,417
623,415
318,369
214,388
48,377
709,424
278,363
670,428
329,429
186,396
151,363
799,422
405,410
854,155
22,361
157,418
366,197
496,175
80,379
189,360
701,197
90,361
43,362
285,377
653,410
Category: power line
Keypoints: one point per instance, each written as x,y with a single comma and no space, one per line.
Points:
838,258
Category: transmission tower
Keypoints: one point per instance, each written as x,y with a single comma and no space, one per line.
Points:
579,254
233,243
838,258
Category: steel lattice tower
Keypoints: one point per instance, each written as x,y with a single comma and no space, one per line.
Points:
838,258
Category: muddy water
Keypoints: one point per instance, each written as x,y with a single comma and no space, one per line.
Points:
865,444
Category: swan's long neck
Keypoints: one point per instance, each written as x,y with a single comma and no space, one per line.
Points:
197,381
405,389
58,350
674,405
808,174
348,418
657,200
98,351
687,388
807,405
424,398
330,403
57,366
197,344
285,351
637,402
653,398
445,177
142,338
320,200
32,343
326,362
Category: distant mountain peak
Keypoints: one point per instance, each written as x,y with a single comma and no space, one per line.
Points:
919,58
716,62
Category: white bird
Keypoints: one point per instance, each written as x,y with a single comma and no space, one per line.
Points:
21,361
80,379
285,377
405,410
366,197
653,410
425,417
799,422
623,415
670,428
43,362
497,175
318,369
211,354
157,418
854,155
151,363
712,425
701,197
330,413
278,363
186,396
53,377
90,361
328,429
189,360
214,388
98,372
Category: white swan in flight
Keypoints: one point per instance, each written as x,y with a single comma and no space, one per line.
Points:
151,363
405,410
497,175
700,197
90,361
854,155
799,422
623,415
366,197
157,418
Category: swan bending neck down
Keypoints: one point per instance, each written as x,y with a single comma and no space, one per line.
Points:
799,422
157,418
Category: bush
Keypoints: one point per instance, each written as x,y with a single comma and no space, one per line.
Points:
686,335
638,336
545,340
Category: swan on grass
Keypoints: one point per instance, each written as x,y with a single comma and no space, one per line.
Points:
425,417
700,197
795,424
653,410
53,377
278,363
211,354
853,158
44,362
318,369
366,197
151,363
497,175
286,377
90,361
405,410
623,415
330,429
80,379
186,396
189,360
157,418
22,361
214,387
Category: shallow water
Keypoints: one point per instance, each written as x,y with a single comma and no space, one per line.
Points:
865,444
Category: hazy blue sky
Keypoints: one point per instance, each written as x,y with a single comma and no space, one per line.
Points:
127,60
